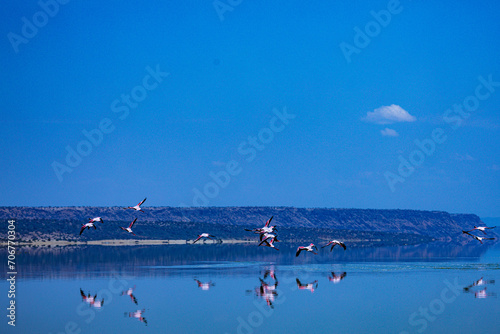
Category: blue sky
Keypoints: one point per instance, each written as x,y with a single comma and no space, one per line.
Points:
231,71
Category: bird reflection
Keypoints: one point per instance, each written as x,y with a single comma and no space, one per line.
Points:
337,278
483,294
92,300
270,273
309,286
130,293
479,282
480,293
204,286
268,290
138,315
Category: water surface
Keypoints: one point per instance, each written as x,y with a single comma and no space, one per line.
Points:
245,289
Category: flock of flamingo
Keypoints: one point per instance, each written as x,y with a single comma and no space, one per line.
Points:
268,290
92,221
266,236
267,233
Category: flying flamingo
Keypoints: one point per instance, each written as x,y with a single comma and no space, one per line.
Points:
129,228
96,219
307,248
268,222
137,207
335,243
269,242
87,226
204,235
265,229
481,228
265,236
480,239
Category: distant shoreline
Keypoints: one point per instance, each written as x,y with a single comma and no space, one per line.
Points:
123,242
133,242
59,226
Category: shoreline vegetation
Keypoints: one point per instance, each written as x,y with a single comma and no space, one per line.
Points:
122,242
153,242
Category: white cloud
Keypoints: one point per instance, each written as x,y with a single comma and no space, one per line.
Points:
388,114
389,132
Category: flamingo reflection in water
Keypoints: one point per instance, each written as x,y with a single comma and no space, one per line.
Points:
130,293
309,286
270,273
138,315
480,293
337,278
267,291
92,300
483,294
204,286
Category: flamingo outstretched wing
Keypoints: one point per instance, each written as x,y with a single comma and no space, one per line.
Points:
269,221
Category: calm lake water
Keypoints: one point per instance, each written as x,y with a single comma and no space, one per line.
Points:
244,289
